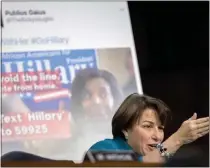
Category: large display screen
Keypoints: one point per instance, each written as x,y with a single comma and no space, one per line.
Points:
66,68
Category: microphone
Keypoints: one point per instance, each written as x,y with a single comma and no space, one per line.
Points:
110,156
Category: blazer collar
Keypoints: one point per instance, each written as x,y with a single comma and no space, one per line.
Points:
122,143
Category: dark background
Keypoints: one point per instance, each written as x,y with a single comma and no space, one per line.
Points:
172,44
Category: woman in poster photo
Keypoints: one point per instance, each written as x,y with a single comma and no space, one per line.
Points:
95,97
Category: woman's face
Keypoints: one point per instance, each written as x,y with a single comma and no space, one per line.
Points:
148,131
98,99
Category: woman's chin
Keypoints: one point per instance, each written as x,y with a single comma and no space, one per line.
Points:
147,150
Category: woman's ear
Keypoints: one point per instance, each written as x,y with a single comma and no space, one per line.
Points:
125,134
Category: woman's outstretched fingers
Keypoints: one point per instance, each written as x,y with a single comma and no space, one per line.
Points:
204,124
204,129
202,120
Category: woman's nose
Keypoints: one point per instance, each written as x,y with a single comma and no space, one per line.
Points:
96,100
156,135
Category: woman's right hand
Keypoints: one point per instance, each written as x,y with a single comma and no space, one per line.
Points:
189,131
193,129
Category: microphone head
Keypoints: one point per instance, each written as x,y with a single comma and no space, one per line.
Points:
100,156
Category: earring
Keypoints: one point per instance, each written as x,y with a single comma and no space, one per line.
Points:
125,134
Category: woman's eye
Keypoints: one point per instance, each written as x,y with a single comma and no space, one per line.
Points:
86,96
103,93
104,96
161,128
147,126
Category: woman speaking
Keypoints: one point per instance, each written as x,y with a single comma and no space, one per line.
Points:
138,125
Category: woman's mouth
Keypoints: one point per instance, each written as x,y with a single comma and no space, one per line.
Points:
152,146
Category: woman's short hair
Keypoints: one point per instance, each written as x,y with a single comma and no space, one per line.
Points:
80,80
131,110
